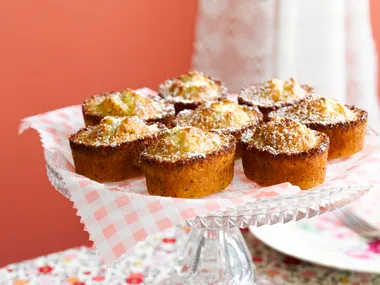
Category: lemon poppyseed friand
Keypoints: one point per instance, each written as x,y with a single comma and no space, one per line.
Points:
224,116
110,151
283,150
189,162
273,94
192,89
345,125
127,103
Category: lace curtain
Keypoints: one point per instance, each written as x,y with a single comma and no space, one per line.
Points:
326,44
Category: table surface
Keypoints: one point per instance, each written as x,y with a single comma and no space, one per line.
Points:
151,262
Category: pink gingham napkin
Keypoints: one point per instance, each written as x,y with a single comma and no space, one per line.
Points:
118,215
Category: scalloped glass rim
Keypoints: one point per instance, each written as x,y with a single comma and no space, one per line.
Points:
282,209
263,211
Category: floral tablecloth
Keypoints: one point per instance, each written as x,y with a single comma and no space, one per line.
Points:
152,260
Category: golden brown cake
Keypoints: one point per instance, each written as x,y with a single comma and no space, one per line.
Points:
223,116
110,150
273,94
345,125
190,90
188,162
283,150
127,103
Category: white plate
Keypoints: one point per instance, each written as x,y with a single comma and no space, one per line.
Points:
323,241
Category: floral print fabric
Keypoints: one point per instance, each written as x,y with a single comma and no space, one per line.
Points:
151,261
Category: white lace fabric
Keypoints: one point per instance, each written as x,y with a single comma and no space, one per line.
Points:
325,44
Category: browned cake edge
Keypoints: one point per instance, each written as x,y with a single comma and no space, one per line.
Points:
305,169
110,163
266,110
91,119
237,133
193,177
180,105
346,138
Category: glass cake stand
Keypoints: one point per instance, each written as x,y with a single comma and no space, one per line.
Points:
215,251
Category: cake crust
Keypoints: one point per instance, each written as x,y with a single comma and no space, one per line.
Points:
224,117
246,97
191,177
346,136
113,162
305,169
185,95
164,112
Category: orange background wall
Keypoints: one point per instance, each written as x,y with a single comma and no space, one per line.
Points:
375,18
57,53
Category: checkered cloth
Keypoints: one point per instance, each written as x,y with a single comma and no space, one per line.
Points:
118,215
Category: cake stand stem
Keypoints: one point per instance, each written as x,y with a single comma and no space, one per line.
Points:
214,257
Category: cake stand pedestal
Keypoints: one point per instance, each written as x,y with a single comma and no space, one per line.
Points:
214,257
216,253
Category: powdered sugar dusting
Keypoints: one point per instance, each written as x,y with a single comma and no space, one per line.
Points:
219,115
192,87
241,195
186,142
128,103
281,136
317,109
114,130
273,92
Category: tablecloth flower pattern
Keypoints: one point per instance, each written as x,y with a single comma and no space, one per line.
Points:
152,260
374,246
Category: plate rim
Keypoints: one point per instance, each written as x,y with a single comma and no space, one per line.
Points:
254,231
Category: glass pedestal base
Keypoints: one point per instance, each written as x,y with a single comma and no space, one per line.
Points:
214,257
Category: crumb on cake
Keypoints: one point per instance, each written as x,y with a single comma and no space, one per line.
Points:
115,130
219,115
194,86
323,110
186,142
345,125
110,151
274,91
283,150
281,136
126,103
189,162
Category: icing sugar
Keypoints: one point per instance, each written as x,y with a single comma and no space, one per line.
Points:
274,91
194,86
186,142
318,109
115,130
128,103
218,115
281,135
